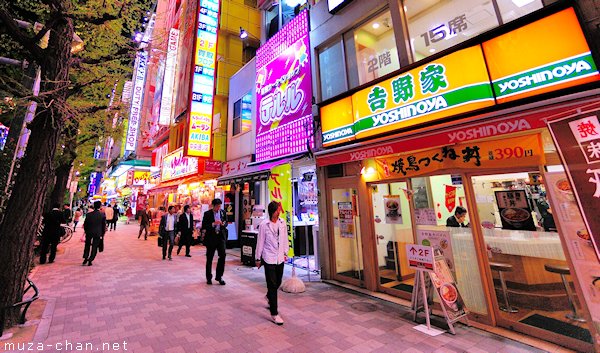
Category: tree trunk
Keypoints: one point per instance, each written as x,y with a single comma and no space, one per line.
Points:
24,207
60,187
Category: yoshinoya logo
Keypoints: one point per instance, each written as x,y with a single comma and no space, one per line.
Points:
489,130
421,107
571,68
338,134
371,152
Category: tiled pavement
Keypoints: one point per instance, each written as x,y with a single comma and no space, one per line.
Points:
131,295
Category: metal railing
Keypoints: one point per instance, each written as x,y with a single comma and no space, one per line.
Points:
25,303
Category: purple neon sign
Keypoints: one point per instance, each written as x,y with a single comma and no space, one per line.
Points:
284,92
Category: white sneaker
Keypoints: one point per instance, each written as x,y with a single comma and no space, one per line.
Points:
277,319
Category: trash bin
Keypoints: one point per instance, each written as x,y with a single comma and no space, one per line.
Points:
248,247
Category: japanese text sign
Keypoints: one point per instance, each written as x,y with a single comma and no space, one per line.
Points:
511,152
426,93
284,92
543,56
203,81
420,257
136,102
176,165
578,142
280,190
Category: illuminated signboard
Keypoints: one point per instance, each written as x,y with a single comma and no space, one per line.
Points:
284,120
432,91
176,165
543,56
169,80
136,102
141,178
203,82
159,153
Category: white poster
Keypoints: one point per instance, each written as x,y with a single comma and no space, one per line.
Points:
169,79
425,217
391,205
441,243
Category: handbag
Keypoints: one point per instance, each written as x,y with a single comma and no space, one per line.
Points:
177,239
160,241
101,245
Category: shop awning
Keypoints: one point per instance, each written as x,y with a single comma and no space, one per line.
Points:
252,173
171,185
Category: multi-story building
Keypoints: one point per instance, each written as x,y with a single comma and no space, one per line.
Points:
431,108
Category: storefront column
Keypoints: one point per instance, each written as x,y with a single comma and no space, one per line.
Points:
324,248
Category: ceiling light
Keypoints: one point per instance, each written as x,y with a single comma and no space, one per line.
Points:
432,50
375,25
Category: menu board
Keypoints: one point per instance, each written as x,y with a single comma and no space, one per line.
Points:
441,243
514,209
425,217
346,217
578,242
446,288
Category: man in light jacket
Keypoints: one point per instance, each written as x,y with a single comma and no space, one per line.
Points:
271,252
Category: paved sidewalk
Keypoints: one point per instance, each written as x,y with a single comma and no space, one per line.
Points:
131,295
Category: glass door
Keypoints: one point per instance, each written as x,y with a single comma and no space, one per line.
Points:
393,230
346,236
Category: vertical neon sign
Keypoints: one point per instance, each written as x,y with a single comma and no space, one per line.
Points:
203,81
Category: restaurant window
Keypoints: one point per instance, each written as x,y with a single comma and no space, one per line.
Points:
331,71
286,10
242,114
371,50
438,25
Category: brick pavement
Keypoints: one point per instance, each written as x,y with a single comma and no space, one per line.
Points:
130,294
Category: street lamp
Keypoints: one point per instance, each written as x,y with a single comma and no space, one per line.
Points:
245,34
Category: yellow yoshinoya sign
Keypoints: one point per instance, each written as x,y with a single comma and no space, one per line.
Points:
451,85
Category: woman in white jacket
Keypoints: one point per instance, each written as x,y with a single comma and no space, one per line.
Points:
271,252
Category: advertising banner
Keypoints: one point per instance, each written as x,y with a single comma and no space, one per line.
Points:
176,165
517,151
199,129
346,217
450,197
441,243
577,140
543,56
169,79
393,213
444,284
136,102
514,209
578,242
280,190
284,122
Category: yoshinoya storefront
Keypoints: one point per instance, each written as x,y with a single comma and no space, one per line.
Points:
474,140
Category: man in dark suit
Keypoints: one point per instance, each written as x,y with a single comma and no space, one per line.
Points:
167,230
94,227
458,219
51,233
186,227
214,227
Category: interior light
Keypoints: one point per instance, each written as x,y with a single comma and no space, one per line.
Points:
375,25
521,3
405,8
432,50
366,171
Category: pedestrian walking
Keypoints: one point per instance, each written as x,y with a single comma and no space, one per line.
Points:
271,252
95,229
128,214
214,226
51,233
167,230
67,215
76,217
109,212
145,217
115,219
186,227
